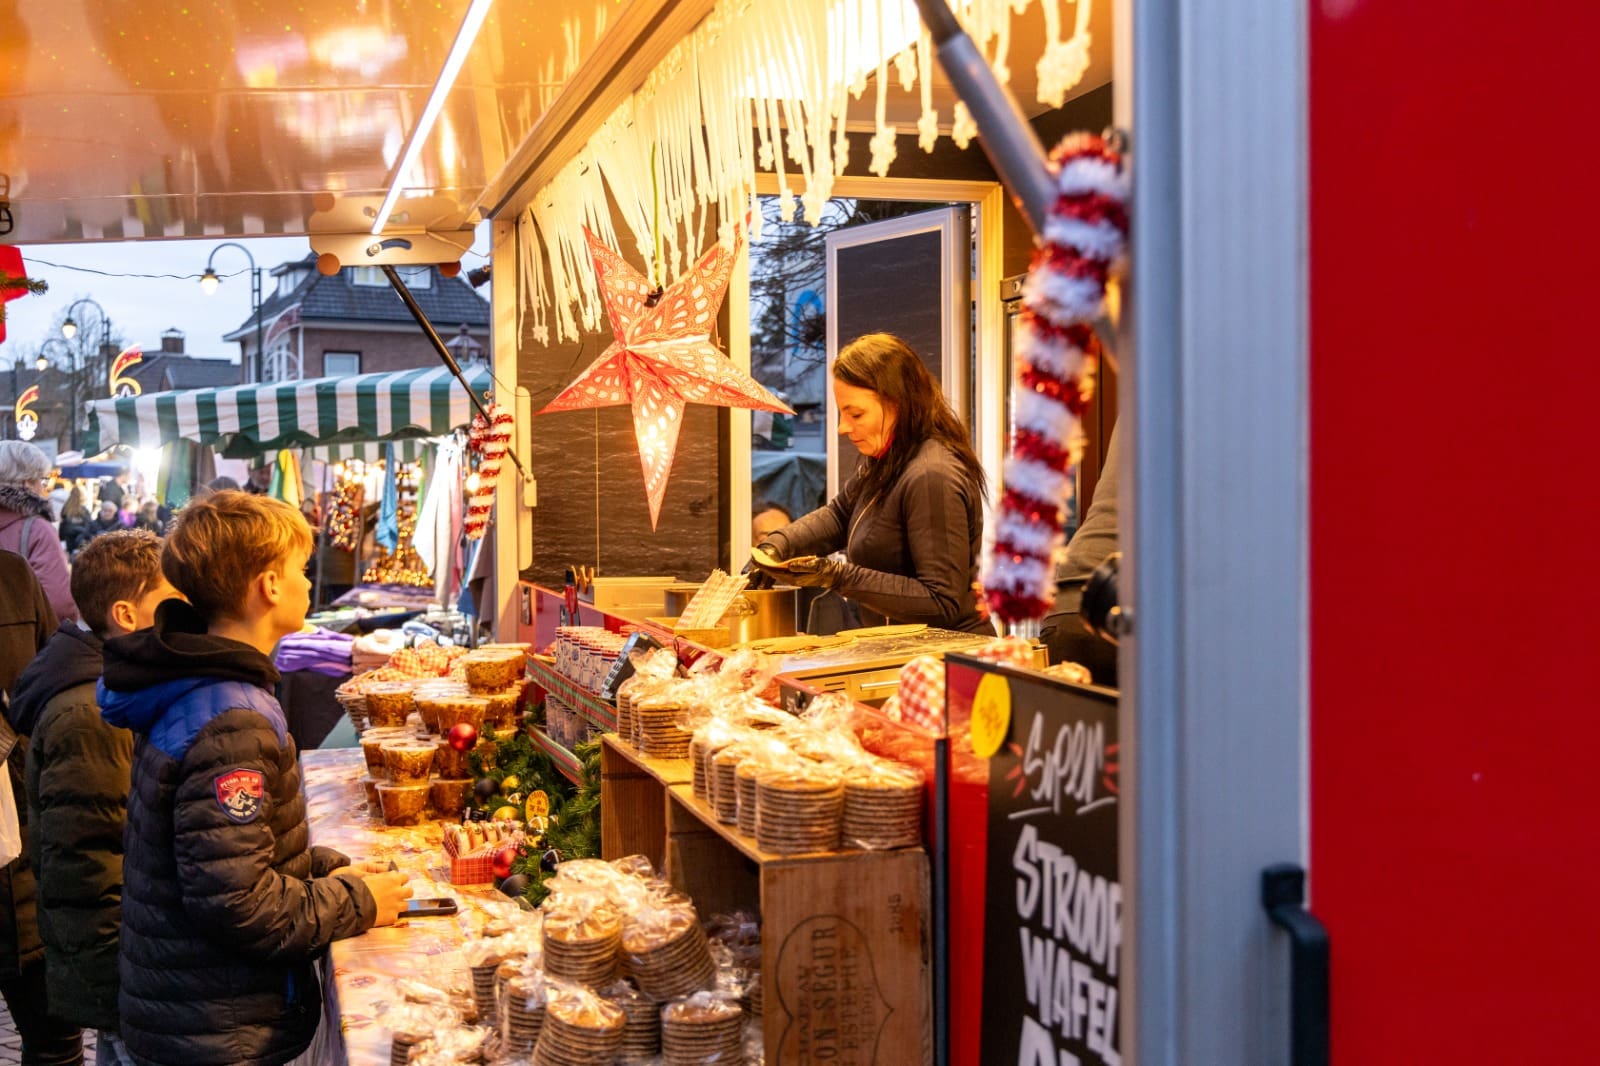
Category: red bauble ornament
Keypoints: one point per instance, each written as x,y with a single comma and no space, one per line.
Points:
502,861
463,736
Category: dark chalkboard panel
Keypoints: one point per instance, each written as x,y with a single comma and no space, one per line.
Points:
1053,903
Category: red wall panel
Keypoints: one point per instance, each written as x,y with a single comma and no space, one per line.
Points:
1455,555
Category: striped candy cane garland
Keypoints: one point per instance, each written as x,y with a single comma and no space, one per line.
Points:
1065,293
489,440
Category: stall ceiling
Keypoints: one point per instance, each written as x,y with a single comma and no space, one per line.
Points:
153,118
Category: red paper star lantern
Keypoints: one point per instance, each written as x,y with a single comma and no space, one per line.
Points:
661,358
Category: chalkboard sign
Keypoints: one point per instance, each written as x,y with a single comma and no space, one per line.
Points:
1053,905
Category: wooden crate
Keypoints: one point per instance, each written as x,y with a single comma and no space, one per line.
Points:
845,935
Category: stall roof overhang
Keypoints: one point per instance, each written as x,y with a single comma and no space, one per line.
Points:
251,419
227,119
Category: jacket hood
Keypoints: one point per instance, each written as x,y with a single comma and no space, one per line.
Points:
17,503
178,646
71,657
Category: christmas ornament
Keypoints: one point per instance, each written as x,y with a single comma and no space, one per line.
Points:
486,788
504,814
349,492
661,357
487,444
515,885
501,863
401,565
509,783
550,860
463,736
1063,297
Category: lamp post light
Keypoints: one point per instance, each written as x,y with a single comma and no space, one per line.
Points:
69,330
209,282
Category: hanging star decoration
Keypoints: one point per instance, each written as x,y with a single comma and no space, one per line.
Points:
661,357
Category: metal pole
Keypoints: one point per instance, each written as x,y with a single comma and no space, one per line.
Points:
255,298
1007,139
322,536
438,346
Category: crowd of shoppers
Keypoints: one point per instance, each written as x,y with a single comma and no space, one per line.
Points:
165,896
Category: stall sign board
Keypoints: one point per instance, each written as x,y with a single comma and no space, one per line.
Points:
1053,911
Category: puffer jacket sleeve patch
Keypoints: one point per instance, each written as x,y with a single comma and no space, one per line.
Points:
240,793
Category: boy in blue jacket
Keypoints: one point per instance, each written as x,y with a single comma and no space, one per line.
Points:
225,905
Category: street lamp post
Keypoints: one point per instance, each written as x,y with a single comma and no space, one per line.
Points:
42,363
69,330
209,282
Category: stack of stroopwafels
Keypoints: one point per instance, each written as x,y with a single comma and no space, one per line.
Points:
748,796
798,809
701,1029
882,806
580,1029
723,786
666,953
641,1028
580,944
660,734
523,1013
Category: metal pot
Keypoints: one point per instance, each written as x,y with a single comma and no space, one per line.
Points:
754,615
763,614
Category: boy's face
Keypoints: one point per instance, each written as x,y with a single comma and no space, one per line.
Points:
294,598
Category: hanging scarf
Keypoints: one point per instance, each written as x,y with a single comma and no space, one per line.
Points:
388,532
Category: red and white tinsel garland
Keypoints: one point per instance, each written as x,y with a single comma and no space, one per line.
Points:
488,442
1064,295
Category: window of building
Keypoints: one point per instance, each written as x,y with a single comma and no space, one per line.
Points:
415,277
339,364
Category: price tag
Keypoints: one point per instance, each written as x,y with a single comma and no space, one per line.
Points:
991,715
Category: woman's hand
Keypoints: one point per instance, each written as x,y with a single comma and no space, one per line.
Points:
760,579
813,571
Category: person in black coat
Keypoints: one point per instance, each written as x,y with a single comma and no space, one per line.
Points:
26,622
910,521
225,906
77,779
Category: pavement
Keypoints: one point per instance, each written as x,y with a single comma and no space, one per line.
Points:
11,1043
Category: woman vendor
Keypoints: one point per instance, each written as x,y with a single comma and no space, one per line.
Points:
910,521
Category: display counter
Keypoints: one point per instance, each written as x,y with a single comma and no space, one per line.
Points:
362,969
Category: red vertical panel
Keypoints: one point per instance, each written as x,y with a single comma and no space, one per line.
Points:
1455,554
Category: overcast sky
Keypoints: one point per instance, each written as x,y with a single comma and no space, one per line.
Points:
142,301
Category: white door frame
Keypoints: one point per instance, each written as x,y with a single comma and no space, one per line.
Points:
1215,698
989,420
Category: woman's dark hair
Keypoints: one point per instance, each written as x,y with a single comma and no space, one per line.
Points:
886,364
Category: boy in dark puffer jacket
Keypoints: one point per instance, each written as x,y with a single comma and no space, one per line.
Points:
225,905
77,779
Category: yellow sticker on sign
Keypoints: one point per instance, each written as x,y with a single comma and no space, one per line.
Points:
991,715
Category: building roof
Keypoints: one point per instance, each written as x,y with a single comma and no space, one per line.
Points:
448,302
165,371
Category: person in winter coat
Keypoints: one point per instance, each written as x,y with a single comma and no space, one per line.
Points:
27,524
910,521
75,521
26,622
225,907
77,780
108,520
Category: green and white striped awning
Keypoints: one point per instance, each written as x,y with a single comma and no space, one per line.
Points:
370,451
249,419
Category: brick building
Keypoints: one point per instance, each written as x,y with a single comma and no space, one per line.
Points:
315,326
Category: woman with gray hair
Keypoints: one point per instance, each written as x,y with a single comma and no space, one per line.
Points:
26,525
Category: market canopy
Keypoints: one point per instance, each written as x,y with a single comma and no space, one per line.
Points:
245,420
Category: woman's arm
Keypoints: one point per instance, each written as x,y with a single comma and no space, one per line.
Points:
935,511
823,531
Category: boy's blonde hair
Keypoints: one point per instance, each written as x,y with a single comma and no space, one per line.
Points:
222,542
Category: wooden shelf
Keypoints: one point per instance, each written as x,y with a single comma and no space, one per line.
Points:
863,918
665,771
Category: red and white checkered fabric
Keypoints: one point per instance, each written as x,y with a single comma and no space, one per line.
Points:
1007,651
920,697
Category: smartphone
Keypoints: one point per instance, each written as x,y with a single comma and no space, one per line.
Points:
417,908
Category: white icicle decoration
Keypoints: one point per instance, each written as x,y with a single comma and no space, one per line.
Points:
758,85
